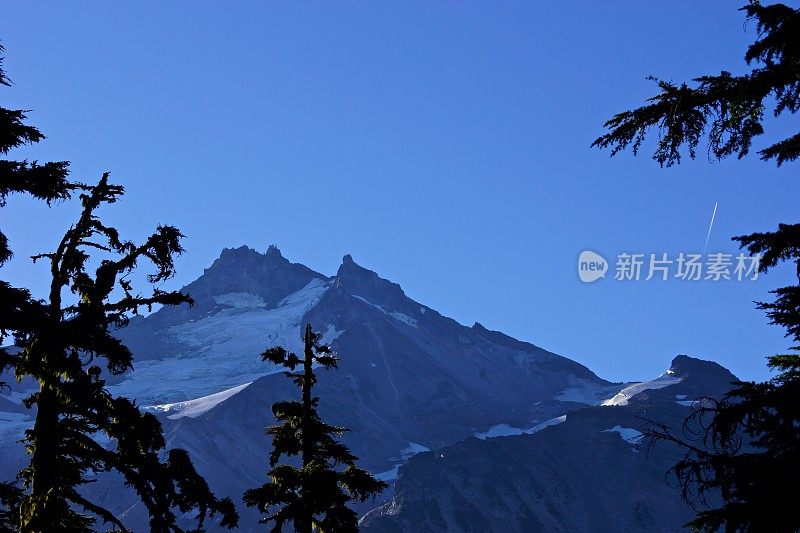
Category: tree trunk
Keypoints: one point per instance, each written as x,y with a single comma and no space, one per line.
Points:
307,443
35,514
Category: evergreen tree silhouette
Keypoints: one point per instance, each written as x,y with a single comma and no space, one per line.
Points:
47,182
746,447
728,109
749,442
313,496
67,344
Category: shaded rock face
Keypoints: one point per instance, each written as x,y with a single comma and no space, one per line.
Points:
700,378
409,379
269,276
593,472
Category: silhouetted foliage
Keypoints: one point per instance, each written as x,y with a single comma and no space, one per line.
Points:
746,446
729,108
46,182
64,340
315,494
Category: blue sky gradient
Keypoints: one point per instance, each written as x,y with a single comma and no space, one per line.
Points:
444,145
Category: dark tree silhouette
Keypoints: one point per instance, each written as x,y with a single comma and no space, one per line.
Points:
10,498
313,496
64,340
48,182
730,109
745,447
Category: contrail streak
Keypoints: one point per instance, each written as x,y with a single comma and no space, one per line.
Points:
711,225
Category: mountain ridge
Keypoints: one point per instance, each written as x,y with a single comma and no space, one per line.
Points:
410,379
591,471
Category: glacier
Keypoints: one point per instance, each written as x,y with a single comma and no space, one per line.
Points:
222,349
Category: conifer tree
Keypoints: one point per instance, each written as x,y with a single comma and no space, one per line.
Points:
747,446
67,346
728,109
48,182
315,494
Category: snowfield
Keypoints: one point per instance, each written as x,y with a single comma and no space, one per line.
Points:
589,393
222,350
622,397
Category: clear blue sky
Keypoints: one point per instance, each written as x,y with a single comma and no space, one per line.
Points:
444,144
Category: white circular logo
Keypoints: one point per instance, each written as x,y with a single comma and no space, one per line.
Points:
591,266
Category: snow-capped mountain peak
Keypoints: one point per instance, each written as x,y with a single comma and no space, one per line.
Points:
409,378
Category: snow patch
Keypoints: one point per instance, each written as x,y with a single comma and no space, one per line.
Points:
388,475
405,454
504,430
547,423
499,430
412,449
687,403
376,306
330,334
397,315
587,392
622,397
198,406
628,434
404,318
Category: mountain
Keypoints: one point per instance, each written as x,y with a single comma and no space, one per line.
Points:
410,380
590,470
